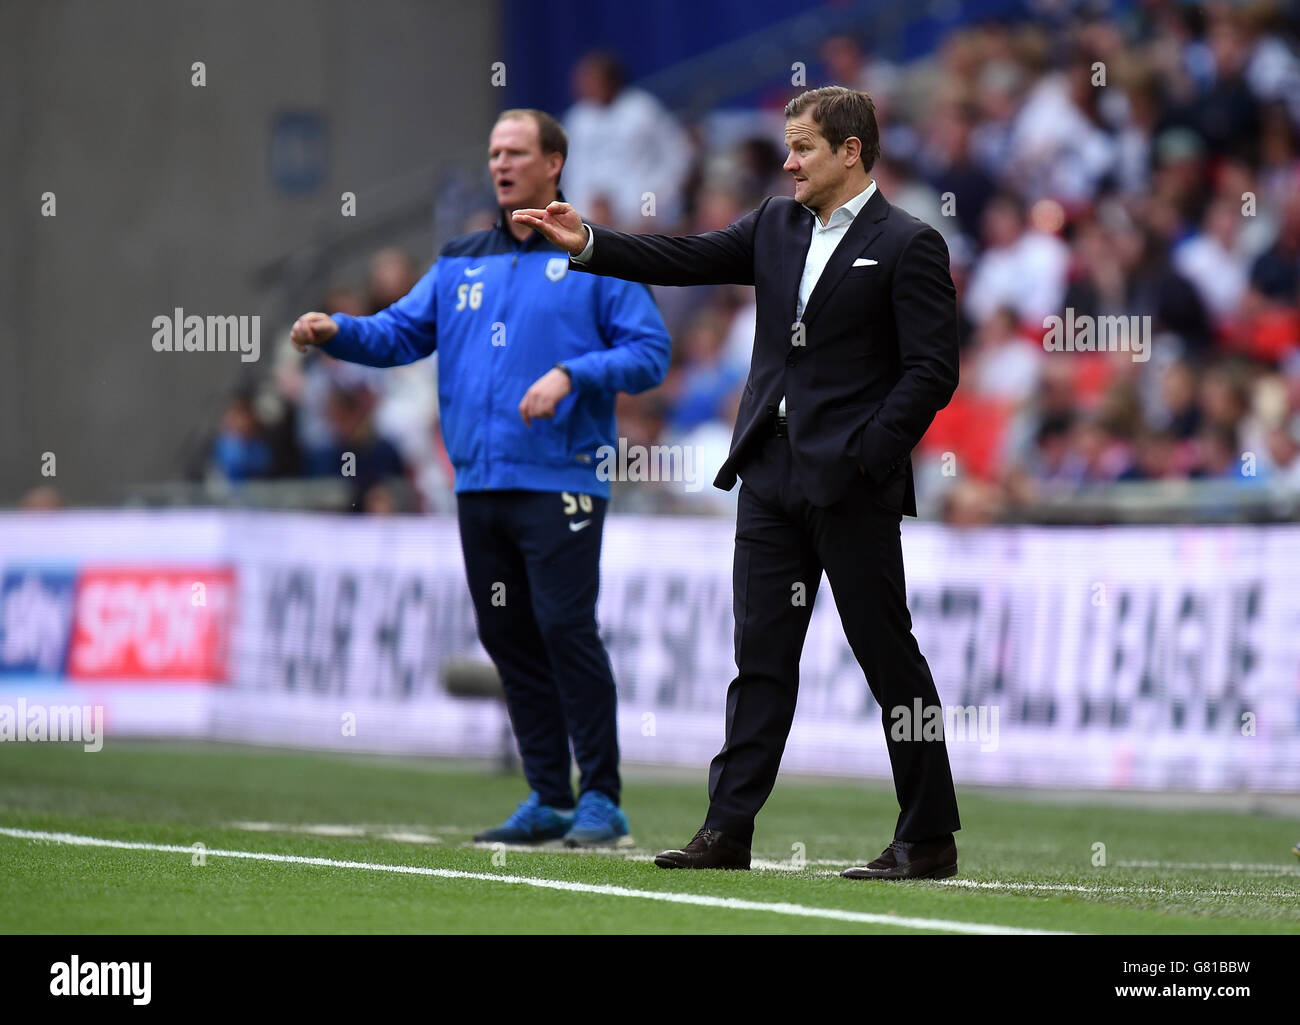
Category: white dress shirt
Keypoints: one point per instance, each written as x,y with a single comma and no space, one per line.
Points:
825,238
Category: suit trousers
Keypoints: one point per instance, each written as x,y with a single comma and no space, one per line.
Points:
783,543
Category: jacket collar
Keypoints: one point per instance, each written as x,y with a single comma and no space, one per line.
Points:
864,231
853,206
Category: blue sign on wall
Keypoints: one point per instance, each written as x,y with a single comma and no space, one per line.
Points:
35,620
299,151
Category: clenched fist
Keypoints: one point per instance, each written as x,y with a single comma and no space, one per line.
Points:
540,400
312,329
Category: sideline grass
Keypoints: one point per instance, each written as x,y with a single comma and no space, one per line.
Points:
1024,863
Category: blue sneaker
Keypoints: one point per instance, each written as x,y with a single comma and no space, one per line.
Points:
532,822
597,823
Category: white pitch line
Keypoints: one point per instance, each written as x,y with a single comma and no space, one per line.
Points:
1118,888
399,836
699,900
1213,866
326,829
319,829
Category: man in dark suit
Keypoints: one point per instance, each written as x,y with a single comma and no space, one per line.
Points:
855,352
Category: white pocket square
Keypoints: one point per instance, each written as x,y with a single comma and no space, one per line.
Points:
862,262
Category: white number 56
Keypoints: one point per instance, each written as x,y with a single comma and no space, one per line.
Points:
474,293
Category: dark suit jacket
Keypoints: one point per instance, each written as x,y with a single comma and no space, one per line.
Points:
878,354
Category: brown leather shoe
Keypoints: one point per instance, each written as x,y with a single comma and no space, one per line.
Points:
707,849
924,859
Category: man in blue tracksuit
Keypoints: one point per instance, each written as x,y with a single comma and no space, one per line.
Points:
530,358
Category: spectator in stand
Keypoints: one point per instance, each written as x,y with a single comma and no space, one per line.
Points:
1218,454
623,144
240,451
1271,308
1178,412
1007,364
1211,261
1155,457
948,163
702,381
1060,145
363,456
309,379
392,275
1020,267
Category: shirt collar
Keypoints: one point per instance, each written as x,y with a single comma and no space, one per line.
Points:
851,209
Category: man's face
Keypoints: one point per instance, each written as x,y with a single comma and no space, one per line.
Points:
521,174
818,173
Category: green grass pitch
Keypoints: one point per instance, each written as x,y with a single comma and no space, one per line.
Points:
390,839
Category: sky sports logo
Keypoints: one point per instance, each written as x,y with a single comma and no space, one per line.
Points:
132,979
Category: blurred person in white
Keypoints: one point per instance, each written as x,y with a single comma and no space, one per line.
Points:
1008,366
1271,429
1256,230
1020,267
623,143
1213,262
1060,145
1272,66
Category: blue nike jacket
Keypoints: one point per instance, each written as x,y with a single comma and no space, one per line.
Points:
500,314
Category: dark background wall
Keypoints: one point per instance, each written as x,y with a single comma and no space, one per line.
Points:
165,196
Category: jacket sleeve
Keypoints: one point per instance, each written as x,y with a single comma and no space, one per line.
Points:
723,257
925,312
403,333
637,344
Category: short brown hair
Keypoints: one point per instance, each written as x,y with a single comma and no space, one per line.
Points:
841,113
550,132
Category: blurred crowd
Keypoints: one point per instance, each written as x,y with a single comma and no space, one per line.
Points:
1147,166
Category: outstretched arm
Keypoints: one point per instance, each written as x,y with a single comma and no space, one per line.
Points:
403,333
713,258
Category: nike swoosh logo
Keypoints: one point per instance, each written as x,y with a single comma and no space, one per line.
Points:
472,271
575,527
